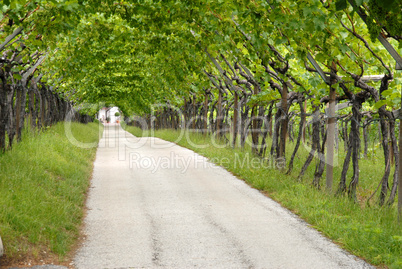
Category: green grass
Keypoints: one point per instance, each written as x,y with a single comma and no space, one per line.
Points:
43,185
370,232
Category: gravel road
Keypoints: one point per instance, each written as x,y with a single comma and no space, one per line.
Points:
153,204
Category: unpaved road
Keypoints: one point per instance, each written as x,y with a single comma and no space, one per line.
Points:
147,209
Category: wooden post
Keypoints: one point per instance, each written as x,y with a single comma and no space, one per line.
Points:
330,138
219,118
254,133
185,113
31,106
284,123
43,107
235,118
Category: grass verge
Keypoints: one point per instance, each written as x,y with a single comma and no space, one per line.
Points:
43,185
370,232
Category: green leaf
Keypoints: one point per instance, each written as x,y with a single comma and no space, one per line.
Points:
343,34
380,104
387,92
17,76
280,41
319,23
341,4
359,2
307,11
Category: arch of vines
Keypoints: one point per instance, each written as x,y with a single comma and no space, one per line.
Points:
237,69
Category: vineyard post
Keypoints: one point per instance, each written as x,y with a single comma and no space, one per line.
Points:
284,108
331,138
235,118
219,115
